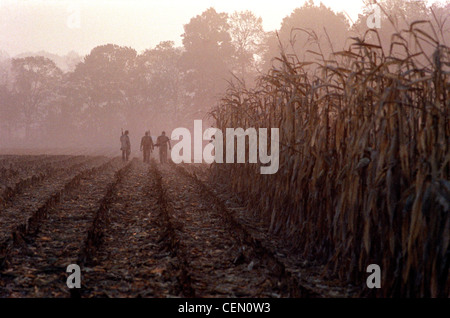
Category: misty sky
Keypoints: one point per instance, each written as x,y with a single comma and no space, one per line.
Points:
60,26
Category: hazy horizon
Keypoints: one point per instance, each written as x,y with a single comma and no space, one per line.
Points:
192,51
59,27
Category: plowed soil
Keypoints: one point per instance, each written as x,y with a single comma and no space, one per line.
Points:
138,230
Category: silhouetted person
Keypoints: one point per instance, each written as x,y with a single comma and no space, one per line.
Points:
125,146
147,146
162,142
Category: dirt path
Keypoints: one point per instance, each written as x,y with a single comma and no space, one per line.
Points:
220,264
133,260
179,247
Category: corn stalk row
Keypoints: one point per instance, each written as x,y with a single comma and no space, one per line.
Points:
364,159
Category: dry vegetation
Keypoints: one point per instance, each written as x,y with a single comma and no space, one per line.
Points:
364,161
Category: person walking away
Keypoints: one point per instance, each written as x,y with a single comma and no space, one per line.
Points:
147,146
125,146
162,142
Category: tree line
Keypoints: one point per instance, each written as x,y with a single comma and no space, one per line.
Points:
166,86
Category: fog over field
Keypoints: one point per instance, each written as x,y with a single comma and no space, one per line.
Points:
319,130
73,74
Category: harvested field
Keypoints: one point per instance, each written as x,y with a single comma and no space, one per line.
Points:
136,230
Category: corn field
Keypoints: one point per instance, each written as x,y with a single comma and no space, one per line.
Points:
364,158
